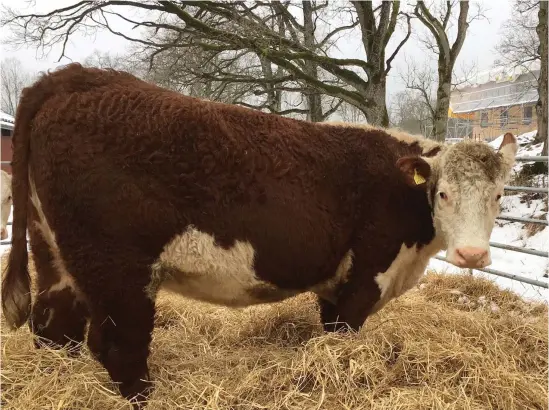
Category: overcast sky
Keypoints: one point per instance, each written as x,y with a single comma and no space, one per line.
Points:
478,48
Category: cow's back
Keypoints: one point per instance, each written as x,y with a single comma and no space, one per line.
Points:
132,165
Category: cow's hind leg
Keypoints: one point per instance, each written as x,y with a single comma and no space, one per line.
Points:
59,315
119,335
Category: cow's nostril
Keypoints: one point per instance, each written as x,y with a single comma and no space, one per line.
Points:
471,254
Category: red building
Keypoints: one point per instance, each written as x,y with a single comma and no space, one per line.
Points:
7,123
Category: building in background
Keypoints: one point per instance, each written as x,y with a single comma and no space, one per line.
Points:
7,122
496,101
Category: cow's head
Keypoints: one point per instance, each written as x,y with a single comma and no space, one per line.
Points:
5,197
464,185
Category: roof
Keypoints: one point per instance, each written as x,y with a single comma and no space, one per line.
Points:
6,121
500,74
524,97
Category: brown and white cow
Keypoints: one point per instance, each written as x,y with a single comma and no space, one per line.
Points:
133,187
5,202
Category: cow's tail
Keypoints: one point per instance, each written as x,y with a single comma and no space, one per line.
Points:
16,295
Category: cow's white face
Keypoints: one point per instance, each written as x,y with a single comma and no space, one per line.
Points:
6,202
464,184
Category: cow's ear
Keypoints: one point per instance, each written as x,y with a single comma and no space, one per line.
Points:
508,151
416,171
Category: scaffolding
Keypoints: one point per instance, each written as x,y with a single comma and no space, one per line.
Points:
493,103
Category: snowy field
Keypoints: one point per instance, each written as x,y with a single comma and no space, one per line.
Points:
508,233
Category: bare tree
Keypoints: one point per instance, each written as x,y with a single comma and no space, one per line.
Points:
14,77
523,41
542,105
349,113
519,42
410,112
115,61
222,74
447,51
246,27
422,80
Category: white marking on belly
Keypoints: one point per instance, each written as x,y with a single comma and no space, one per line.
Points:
404,272
65,278
193,265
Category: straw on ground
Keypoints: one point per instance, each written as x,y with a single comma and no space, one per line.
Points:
454,342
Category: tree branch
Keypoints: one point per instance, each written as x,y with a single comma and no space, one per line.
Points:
400,45
463,25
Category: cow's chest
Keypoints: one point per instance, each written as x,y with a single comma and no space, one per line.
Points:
404,272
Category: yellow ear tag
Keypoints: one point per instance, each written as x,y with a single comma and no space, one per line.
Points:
418,178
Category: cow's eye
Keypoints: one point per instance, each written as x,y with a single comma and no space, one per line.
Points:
443,195
9,198
498,197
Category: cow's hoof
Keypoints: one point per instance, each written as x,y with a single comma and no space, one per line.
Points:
137,392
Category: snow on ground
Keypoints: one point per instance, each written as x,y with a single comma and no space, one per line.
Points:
509,233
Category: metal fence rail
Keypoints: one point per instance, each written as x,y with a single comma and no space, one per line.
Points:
518,278
533,159
526,189
524,220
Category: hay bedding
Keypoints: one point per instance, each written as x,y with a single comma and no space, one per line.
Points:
455,342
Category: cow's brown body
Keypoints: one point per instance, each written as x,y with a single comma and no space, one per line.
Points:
122,167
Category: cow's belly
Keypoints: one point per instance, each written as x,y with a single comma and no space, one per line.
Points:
193,265
230,289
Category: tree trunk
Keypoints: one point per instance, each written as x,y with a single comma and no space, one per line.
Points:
542,106
314,99
440,118
274,100
376,113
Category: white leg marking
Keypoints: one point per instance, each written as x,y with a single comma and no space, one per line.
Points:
65,278
193,265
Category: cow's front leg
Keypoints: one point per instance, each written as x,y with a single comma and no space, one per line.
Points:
330,317
119,338
354,304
